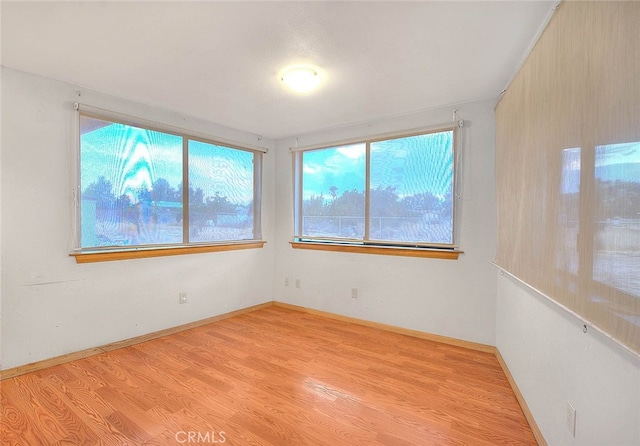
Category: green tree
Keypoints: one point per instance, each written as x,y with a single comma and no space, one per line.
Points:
385,202
220,204
143,193
314,206
122,203
101,191
333,190
349,204
196,196
162,191
422,202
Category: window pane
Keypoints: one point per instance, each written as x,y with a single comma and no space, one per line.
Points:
616,244
568,216
130,185
412,189
333,184
220,193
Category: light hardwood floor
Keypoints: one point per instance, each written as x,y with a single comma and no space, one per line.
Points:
271,377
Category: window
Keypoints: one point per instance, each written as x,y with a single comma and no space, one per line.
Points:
395,192
616,232
145,188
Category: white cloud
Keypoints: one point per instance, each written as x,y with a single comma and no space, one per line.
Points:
354,151
311,169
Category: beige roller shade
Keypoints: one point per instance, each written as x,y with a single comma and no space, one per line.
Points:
568,167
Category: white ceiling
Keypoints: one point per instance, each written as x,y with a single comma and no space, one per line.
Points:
220,60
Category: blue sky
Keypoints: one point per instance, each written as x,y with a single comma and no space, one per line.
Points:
342,167
412,165
612,162
131,158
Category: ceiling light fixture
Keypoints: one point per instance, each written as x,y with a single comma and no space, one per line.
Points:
301,79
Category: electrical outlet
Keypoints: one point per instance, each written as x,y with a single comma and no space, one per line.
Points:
354,293
182,297
286,281
571,419
297,283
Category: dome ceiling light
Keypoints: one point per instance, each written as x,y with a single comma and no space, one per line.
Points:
301,79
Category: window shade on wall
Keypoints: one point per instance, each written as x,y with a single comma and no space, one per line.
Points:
568,167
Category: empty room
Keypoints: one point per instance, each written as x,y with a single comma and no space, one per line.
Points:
309,223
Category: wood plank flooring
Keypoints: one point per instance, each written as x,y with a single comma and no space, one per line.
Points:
273,377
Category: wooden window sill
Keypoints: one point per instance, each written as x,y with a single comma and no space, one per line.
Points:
142,253
381,250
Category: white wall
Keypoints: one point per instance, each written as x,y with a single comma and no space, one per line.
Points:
554,362
53,306
444,297
1,132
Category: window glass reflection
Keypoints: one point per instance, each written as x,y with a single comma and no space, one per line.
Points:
616,244
569,214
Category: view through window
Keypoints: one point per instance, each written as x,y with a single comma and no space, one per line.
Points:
133,193
616,243
396,191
